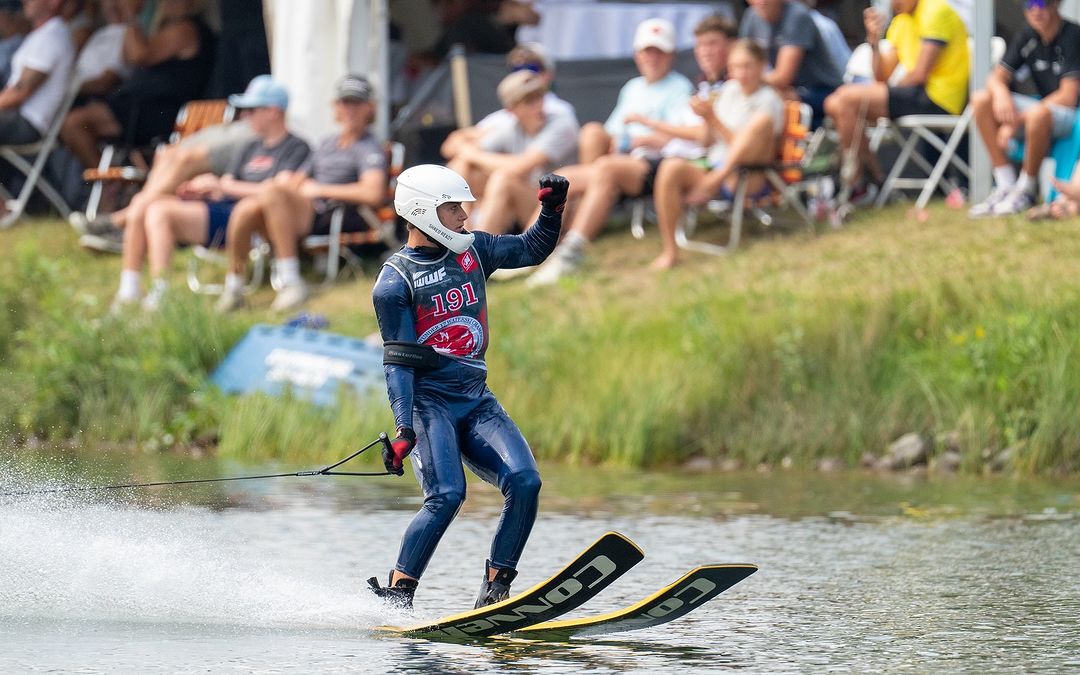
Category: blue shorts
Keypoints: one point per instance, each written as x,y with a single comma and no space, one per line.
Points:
219,213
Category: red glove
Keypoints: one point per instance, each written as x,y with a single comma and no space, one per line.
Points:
399,449
552,193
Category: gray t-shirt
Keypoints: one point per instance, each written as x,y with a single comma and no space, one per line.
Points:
796,28
335,165
256,162
557,140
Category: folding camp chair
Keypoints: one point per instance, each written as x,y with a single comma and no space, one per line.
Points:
786,176
17,155
382,222
192,117
910,130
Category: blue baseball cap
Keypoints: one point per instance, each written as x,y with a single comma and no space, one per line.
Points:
262,92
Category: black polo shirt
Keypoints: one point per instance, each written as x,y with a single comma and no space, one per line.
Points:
1048,63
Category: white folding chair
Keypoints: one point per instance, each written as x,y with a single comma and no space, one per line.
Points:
17,155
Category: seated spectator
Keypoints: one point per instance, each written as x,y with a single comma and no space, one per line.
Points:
1067,203
208,150
1049,47
513,152
40,71
930,41
345,169
533,57
172,66
802,64
658,94
747,121
631,175
201,210
101,66
13,28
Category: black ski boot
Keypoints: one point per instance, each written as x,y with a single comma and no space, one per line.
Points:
399,595
497,589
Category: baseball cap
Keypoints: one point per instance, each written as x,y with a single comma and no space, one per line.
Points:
354,88
519,84
262,92
659,33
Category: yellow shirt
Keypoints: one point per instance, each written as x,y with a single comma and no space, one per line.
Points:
934,20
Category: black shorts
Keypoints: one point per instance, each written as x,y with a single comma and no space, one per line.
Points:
912,101
352,221
649,183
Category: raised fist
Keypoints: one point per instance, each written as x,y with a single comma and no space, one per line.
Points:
552,193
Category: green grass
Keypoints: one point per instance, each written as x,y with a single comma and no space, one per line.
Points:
798,346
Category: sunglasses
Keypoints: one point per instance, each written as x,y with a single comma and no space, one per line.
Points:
531,67
1035,4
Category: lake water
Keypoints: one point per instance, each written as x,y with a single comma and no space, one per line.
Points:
859,573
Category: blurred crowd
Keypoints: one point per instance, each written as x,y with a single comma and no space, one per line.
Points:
678,141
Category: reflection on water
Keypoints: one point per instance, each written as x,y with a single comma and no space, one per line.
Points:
858,573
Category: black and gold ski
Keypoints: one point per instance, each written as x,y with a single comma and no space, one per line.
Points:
591,572
686,594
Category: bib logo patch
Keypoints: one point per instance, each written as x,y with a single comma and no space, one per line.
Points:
467,261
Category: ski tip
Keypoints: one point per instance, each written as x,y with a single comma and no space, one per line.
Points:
612,534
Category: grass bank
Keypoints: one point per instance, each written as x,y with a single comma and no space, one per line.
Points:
799,347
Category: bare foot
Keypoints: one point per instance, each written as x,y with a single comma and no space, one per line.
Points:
664,261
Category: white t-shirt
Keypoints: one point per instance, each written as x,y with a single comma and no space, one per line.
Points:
47,49
686,117
103,51
557,140
735,109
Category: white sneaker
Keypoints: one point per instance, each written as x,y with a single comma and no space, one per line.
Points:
986,208
120,305
1017,201
230,301
557,266
290,297
152,301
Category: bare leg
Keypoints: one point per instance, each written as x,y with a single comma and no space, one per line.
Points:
247,218
612,176
844,107
170,221
506,196
674,180
748,147
289,216
84,126
593,142
988,127
1038,127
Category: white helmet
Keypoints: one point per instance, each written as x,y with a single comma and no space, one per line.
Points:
420,190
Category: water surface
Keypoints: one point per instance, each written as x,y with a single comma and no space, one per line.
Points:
858,573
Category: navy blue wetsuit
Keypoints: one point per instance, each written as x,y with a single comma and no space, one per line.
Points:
434,297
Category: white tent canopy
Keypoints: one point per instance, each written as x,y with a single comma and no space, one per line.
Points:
315,42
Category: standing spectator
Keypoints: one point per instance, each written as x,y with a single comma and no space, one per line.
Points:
632,175
204,205
1049,47
748,118
802,65
346,169
514,152
40,71
13,28
172,66
931,43
658,94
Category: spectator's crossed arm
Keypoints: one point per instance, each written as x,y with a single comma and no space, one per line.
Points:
17,94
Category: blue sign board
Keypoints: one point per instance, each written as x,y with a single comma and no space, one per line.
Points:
312,364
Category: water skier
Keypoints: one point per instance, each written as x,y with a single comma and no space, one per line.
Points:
431,304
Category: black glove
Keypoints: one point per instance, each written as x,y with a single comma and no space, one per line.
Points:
399,449
552,194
